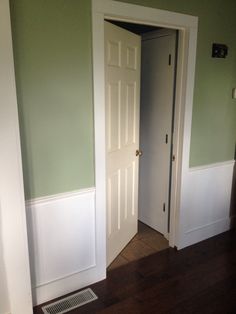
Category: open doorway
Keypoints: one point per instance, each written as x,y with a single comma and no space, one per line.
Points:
139,191
187,27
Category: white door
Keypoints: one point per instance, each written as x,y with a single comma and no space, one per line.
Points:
122,78
157,88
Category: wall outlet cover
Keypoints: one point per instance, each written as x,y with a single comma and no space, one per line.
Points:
219,51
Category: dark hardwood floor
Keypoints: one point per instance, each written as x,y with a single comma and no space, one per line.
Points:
197,279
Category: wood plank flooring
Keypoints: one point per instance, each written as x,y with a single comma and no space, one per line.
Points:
197,279
146,242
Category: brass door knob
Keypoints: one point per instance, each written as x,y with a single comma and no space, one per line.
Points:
139,152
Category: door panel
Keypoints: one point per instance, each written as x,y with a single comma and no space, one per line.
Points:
122,77
157,88
130,121
113,116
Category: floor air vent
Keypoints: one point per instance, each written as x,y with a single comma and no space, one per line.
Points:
69,303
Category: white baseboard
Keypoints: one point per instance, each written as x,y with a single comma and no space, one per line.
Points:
205,208
207,231
62,243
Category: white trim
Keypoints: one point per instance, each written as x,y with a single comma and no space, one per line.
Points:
66,285
206,204
143,15
66,276
206,232
187,26
13,220
224,221
215,165
58,197
71,220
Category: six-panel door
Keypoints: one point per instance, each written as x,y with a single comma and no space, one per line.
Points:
122,77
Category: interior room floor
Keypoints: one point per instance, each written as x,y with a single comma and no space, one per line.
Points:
198,279
146,242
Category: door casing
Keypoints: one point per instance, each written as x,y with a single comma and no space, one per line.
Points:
187,27
13,230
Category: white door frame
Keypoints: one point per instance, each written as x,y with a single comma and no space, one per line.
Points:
12,204
187,26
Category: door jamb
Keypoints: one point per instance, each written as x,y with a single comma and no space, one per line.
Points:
187,26
13,230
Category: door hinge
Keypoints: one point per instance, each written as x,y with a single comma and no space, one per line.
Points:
164,207
166,138
169,59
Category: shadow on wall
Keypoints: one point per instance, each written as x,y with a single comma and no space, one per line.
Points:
4,303
233,196
30,231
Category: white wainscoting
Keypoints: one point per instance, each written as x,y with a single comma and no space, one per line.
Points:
4,302
205,202
66,237
62,243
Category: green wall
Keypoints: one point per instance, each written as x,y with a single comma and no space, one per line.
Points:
52,50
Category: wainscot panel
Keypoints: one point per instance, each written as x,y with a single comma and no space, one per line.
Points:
205,206
62,243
